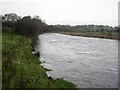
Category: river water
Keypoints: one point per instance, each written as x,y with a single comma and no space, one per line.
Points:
84,61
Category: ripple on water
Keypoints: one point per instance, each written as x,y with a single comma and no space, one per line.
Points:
87,62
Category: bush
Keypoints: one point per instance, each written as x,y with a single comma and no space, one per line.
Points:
30,27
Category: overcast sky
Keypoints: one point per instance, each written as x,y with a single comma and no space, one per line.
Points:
73,12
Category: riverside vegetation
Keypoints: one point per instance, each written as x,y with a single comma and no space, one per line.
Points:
97,31
20,68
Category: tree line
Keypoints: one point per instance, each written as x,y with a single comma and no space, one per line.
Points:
27,26
32,26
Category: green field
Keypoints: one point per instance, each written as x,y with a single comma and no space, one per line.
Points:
98,31
21,69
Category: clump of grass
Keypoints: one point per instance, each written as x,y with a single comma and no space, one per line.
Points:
21,69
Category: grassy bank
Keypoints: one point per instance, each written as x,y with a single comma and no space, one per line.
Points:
21,69
107,35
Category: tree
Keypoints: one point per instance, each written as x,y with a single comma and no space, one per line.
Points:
9,20
30,27
11,17
36,17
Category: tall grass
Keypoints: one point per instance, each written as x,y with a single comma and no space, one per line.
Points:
21,69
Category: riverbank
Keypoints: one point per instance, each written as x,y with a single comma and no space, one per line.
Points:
21,69
108,35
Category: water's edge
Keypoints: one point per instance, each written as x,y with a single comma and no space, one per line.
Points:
63,53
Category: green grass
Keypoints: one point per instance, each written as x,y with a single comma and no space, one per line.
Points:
79,31
21,69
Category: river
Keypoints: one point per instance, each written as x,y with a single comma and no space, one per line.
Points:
87,62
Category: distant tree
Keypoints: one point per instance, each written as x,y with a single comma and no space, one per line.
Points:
11,17
36,17
9,20
118,29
